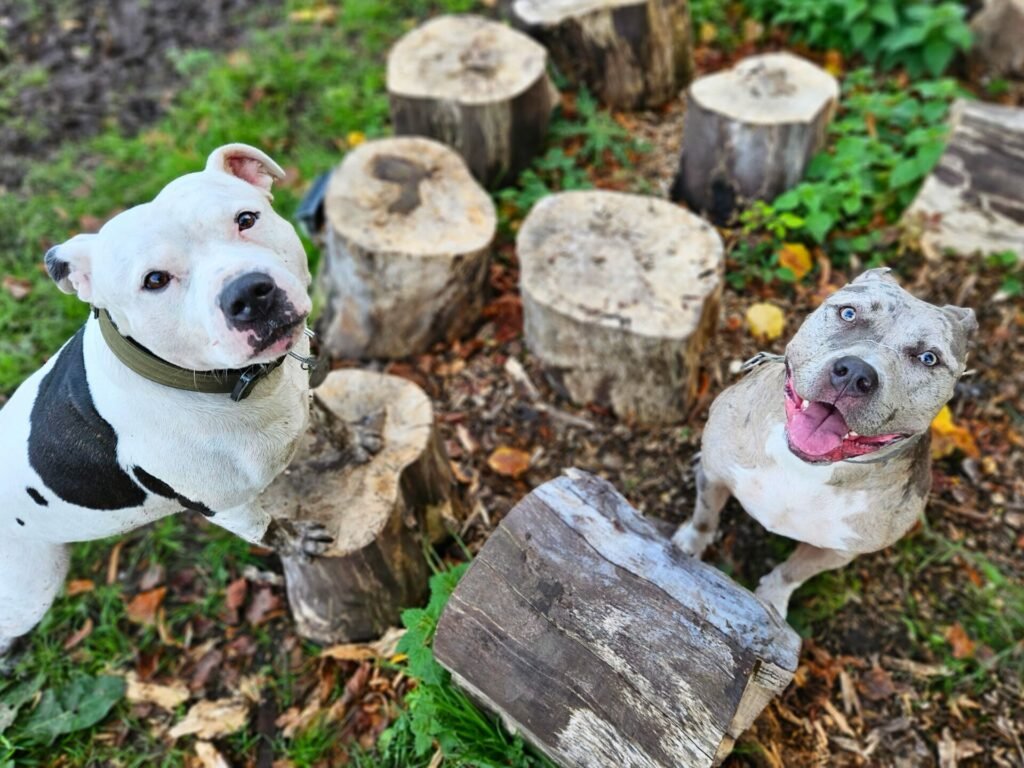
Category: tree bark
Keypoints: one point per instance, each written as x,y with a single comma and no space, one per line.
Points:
582,627
973,202
476,85
620,295
631,53
378,507
408,242
749,132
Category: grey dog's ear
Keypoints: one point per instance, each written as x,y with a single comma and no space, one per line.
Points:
879,273
964,317
246,163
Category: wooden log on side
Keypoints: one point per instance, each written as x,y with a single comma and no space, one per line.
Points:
585,631
476,85
749,132
631,53
377,506
620,295
408,239
973,202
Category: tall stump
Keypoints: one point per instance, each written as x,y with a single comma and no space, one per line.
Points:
631,53
476,85
588,633
749,132
378,510
620,294
408,239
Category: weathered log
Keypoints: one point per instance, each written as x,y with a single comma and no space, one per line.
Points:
408,239
476,85
631,53
973,202
749,132
377,506
620,294
585,631
999,38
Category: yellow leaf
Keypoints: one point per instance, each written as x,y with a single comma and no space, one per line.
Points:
509,462
321,14
765,321
948,437
355,138
708,33
834,63
796,258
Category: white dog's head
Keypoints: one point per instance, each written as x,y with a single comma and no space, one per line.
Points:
205,276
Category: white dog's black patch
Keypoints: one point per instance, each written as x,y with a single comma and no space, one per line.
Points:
160,488
70,446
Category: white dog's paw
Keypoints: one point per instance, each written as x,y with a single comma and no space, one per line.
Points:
690,541
772,590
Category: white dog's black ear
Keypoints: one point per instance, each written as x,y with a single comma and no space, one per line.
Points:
246,163
964,317
70,266
879,273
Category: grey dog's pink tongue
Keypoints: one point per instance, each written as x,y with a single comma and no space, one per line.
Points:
819,430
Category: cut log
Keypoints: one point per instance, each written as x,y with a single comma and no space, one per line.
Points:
408,239
582,627
377,507
620,294
476,85
631,53
749,132
973,202
999,38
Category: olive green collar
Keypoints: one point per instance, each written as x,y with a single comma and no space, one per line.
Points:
238,382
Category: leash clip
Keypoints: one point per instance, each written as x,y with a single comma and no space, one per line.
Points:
249,378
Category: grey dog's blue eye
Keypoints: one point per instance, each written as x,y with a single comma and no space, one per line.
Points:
928,358
849,314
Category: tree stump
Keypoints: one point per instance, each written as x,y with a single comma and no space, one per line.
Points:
476,85
378,510
999,38
749,132
408,239
620,294
631,53
585,631
973,202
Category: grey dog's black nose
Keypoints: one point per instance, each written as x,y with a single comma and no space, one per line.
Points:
248,298
854,377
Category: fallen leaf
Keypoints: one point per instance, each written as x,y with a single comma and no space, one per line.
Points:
796,258
876,685
234,599
265,606
963,646
80,587
708,33
78,705
834,63
213,719
167,697
209,757
355,138
948,437
349,652
143,607
79,636
321,14
765,321
509,462
17,287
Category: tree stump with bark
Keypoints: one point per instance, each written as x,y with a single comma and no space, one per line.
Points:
750,132
631,53
973,202
372,470
408,239
620,295
582,627
476,85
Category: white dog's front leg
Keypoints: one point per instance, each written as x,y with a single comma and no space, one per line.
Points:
806,562
255,524
31,574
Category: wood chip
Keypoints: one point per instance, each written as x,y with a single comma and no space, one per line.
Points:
213,719
167,697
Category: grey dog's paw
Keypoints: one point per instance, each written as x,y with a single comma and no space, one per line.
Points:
304,538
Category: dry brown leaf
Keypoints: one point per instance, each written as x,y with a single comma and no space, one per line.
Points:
948,437
79,636
963,646
509,462
213,719
796,258
765,321
209,756
876,684
349,652
80,586
143,607
18,288
167,697
834,63
265,605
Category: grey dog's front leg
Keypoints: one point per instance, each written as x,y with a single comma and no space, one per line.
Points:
806,562
695,534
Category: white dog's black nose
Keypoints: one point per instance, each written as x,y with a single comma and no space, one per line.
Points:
854,376
248,298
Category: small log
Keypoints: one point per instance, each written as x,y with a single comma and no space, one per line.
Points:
476,85
999,38
377,507
749,132
973,202
582,627
408,239
620,294
631,53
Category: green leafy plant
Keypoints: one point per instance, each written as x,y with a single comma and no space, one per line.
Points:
1010,264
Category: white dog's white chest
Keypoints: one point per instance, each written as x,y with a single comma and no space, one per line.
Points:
794,499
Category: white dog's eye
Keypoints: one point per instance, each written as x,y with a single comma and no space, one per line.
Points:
155,280
246,220
849,314
928,358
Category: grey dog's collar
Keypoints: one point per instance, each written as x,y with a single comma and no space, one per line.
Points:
237,382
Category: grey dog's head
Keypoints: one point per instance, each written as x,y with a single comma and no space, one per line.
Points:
871,367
